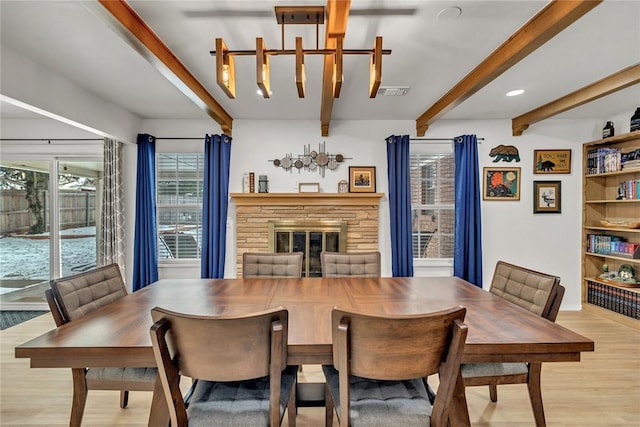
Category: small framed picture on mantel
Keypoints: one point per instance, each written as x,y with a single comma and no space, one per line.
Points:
309,187
362,179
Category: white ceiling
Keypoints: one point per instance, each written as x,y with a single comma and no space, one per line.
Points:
73,39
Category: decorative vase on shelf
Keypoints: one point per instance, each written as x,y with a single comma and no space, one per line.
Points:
608,131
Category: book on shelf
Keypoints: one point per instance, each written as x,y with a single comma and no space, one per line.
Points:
603,160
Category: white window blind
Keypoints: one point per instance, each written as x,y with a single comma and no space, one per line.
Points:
179,195
432,203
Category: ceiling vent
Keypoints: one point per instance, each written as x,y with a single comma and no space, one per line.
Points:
393,90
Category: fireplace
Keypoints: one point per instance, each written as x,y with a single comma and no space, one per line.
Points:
310,238
354,217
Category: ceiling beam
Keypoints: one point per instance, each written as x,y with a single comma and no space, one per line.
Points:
617,81
135,31
335,26
551,20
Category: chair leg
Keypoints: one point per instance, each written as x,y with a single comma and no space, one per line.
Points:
328,416
292,408
124,398
493,392
79,396
535,393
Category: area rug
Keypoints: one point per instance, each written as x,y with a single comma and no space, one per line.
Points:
9,318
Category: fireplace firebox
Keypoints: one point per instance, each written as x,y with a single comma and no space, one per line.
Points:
310,238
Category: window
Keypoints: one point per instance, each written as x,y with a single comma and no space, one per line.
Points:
432,200
179,204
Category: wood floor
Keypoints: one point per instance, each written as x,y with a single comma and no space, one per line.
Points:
601,390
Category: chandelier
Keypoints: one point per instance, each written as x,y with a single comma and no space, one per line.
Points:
306,15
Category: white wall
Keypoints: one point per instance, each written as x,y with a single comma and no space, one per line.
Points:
37,86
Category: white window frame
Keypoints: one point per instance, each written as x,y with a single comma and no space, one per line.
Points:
179,147
432,266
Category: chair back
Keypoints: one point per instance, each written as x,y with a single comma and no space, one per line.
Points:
85,292
274,265
392,347
225,348
355,264
530,289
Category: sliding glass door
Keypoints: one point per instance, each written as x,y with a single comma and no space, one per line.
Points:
47,228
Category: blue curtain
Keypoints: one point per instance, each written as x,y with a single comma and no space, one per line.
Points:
217,154
467,251
398,159
145,245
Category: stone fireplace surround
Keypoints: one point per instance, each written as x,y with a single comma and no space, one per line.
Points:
254,211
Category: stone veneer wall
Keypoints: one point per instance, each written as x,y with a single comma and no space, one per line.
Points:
252,229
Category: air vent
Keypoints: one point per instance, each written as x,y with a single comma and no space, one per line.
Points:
393,90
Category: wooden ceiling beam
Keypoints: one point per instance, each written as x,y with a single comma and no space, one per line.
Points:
129,23
335,26
617,81
551,20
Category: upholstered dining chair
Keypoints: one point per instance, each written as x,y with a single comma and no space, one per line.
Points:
380,364
72,297
539,293
243,381
271,264
343,264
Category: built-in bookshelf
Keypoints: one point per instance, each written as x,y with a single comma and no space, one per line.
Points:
611,225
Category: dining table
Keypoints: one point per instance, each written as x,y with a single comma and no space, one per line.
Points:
118,334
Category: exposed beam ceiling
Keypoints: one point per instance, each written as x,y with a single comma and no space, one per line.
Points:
551,20
617,81
129,23
336,26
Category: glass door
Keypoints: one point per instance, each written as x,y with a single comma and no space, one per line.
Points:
25,250
47,229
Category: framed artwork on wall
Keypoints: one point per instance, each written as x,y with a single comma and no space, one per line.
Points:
362,179
501,183
546,196
551,161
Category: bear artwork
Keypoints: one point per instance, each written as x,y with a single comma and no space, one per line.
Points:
506,153
547,165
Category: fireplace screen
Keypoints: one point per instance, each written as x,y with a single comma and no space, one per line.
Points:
310,238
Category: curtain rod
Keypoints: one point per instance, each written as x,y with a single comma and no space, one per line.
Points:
439,139
51,139
201,138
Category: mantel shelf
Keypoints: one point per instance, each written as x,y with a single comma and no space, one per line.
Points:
296,199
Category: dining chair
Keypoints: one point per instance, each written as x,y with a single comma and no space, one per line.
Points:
238,364
271,264
380,365
539,293
72,297
344,264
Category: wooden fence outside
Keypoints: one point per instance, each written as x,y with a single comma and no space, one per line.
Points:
77,209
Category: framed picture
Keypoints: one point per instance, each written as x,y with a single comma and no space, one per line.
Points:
309,187
501,184
546,197
362,179
551,161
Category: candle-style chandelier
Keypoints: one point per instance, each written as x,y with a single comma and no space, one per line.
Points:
306,15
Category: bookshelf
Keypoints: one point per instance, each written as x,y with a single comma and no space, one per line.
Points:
610,215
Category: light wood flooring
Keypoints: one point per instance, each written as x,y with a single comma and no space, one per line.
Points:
601,390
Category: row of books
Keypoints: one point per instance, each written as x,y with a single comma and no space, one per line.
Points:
622,301
605,244
603,160
629,189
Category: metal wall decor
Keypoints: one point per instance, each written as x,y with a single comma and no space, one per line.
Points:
311,160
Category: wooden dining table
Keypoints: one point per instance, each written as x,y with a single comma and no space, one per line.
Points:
118,334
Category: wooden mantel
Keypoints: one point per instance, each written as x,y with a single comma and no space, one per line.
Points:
306,199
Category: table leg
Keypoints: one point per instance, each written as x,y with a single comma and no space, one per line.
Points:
159,413
459,414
